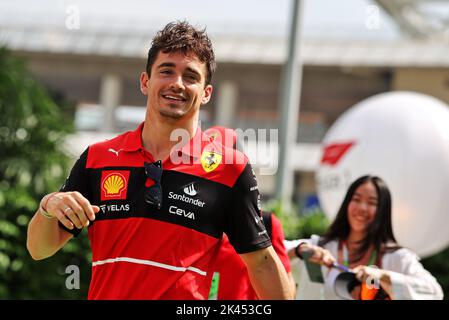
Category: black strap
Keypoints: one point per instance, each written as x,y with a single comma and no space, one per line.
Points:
266,216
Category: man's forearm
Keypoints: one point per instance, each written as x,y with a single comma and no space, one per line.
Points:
44,237
268,275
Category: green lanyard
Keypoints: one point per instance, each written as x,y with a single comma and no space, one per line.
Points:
371,261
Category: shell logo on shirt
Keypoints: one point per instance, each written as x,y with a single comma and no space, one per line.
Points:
114,184
210,160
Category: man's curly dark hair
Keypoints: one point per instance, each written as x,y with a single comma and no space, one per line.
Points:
183,37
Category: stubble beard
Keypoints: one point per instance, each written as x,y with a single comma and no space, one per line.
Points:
172,113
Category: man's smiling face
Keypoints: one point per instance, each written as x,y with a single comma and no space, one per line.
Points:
176,87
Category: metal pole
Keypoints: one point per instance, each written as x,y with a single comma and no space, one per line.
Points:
110,96
291,91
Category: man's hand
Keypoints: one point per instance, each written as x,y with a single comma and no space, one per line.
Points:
72,209
45,237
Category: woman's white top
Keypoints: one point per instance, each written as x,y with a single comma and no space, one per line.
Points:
409,279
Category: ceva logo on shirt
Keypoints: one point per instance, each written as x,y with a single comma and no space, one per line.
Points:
114,184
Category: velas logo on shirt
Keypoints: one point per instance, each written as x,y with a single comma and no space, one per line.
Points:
210,160
114,184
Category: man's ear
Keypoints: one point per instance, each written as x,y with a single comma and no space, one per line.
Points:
207,94
144,82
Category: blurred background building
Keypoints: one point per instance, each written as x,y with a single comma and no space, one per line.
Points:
92,53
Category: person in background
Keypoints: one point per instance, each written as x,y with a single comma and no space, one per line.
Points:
231,280
361,238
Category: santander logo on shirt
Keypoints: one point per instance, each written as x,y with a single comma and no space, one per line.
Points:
190,190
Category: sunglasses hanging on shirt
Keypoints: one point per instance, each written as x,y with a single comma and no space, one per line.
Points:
153,194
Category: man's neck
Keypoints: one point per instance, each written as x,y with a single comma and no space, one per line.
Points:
156,135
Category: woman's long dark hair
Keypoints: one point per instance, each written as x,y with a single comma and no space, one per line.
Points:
379,232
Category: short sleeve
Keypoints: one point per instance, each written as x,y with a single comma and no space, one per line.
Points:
244,226
77,181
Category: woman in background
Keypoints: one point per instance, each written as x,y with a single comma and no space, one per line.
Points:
361,239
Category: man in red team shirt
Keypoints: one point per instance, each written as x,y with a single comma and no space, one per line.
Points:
231,281
155,223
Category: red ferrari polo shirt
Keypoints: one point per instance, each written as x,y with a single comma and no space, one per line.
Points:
142,251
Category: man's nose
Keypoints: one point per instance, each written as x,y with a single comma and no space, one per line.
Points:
177,84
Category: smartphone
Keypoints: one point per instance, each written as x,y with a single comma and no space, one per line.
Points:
313,269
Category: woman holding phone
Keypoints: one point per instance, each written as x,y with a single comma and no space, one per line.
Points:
361,239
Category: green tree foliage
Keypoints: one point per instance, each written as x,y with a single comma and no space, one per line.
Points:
438,266
32,164
299,226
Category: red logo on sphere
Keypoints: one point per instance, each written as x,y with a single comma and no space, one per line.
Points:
334,152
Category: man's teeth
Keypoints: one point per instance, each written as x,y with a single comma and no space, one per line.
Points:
174,98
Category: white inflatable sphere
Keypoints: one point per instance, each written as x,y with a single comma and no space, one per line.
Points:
402,137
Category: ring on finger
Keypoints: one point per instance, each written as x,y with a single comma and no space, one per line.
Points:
67,209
